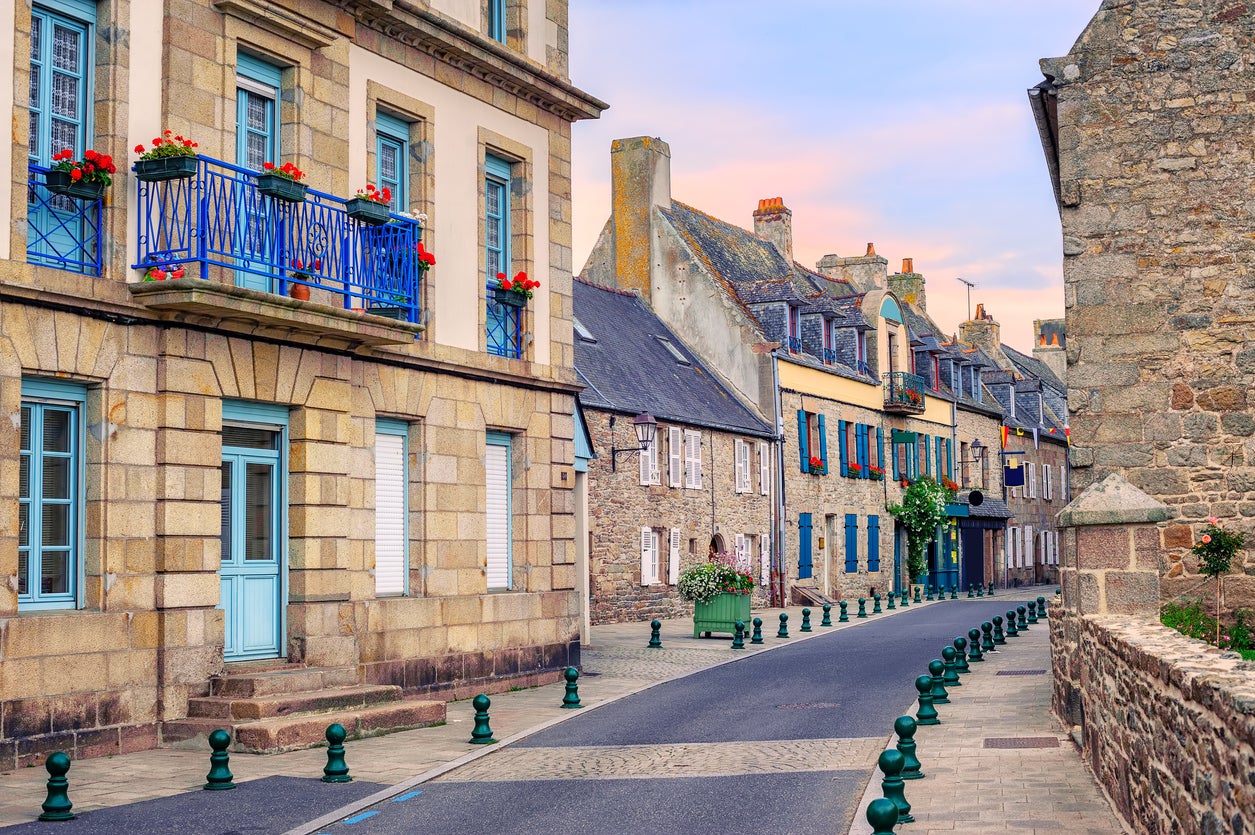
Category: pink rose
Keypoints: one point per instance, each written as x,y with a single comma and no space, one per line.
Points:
1206,538
1212,520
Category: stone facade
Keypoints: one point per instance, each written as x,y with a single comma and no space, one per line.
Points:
159,364
1149,132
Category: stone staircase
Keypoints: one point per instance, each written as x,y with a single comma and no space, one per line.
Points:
285,707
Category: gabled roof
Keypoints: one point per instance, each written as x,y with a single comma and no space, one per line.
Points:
730,253
629,369
770,290
1033,367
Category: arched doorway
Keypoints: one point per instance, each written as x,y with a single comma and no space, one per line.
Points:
716,545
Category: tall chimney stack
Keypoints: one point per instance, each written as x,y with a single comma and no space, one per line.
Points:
985,333
908,285
640,173
864,272
774,222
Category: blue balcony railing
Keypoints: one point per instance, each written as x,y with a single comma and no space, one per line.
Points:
504,325
904,392
795,344
219,219
62,232
830,356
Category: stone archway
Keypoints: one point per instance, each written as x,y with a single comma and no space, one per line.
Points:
717,545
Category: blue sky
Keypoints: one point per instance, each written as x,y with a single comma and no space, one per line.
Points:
900,122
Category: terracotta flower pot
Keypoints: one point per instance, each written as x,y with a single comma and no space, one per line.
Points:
300,292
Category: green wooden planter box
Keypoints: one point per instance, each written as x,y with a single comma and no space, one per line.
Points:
281,188
165,168
366,211
720,614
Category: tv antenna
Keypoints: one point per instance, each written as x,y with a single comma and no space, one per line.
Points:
970,285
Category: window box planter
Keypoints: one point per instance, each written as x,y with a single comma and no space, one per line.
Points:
875,476
720,614
60,182
813,470
509,298
281,188
400,314
370,212
853,473
165,168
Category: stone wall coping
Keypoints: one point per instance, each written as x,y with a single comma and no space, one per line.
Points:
1113,501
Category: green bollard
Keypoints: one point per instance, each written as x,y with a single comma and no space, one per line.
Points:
937,668
1041,608
917,594
738,635
57,805
1012,632
906,598
783,632
827,620
973,650
482,733
950,677
655,634
980,591
904,727
954,591
1058,591
991,589
571,699
1032,611
1021,624
862,608
876,604
882,815
999,638
757,637
971,591
928,593
891,762
806,621
336,770
845,616
960,655
987,637
219,776
889,604
927,714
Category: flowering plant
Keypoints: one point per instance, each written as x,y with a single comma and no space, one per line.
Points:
375,195
287,171
854,469
877,473
156,273
815,465
923,508
913,396
949,484
723,574
1216,548
303,273
94,167
168,145
520,284
426,260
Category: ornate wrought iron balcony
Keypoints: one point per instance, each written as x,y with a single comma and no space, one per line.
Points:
62,232
904,393
220,227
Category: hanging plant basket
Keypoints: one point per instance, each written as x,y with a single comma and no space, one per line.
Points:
60,182
281,188
370,212
165,168
509,298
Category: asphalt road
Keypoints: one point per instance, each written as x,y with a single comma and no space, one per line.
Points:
849,683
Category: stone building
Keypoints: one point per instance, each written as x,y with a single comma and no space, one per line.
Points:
703,486
301,462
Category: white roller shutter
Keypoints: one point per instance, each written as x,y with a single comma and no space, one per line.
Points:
497,509
673,557
389,514
765,543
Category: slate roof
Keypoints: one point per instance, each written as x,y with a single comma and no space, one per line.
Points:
770,290
731,253
628,370
1033,367
991,508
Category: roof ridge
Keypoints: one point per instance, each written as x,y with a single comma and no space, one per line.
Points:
615,290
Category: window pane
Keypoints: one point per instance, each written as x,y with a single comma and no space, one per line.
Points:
226,511
56,529
257,145
64,96
493,197
56,477
24,476
258,510
257,108
37,28
54,572
22,572
65,49
23,525
388,162
64,137
26,427
34,88
249,437
56,430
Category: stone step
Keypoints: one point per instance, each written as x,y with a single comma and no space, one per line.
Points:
289,704
289,733
289,679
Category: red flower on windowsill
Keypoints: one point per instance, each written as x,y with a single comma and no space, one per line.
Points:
520,284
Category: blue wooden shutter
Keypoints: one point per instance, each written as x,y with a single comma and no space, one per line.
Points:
949,458
928,466
823,443
843,434
802,451
880,447
895,451
804,569
851,543
873,543
861,442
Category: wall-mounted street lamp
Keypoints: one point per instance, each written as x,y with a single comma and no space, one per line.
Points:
977,449
646,428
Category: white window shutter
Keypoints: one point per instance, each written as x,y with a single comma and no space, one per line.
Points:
390,545
673,557
697,460
497,511
647,559
1027,555
740,547
1009,546
765,547
675,455
644,457
745,451
1031,480
762,469
738,466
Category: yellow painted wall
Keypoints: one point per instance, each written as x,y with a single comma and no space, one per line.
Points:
822,384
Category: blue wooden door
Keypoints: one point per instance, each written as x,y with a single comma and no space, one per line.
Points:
252,543
804,556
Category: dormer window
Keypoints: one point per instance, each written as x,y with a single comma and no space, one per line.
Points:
860,351
795,330
976,386
936,372
830,342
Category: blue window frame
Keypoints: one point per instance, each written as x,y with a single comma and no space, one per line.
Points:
873,543
62,231
50,496
851,543
496,20
504,322
392,144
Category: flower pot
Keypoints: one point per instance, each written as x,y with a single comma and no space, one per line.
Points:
401,314
815,470
509,298
720,614
281,188
165,168
300,292
370,212
60,182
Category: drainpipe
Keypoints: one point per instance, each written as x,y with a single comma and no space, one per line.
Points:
777,529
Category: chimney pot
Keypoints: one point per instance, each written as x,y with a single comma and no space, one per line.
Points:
774,222
871,249
908,265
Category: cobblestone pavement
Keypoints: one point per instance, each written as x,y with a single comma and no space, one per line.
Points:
975,789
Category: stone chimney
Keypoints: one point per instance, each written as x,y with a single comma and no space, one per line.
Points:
1049,344
908,285
984,332
774,222
865,272
640,173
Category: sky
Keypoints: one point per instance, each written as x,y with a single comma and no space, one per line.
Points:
899,122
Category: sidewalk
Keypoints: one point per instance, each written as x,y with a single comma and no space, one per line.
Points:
970,787
616,664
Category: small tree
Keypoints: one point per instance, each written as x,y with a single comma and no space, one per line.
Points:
1215,551
923,508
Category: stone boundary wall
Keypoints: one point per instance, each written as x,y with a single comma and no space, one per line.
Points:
1167,722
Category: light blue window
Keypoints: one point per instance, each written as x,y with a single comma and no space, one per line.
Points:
496,20
496,217
256,143
392,143
50,495
60,97
498,511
